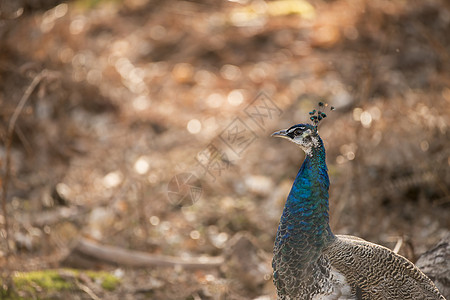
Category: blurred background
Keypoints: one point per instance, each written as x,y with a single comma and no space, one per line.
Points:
144,125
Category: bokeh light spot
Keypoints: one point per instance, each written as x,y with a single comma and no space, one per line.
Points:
424,146
366,119
77,26
230,72
357,113
141,103
194,126
142,165
183,72
195,235
340,159
154,220
112,179
158,32
215,100
235,97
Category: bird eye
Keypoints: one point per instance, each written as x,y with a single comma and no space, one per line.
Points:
297,131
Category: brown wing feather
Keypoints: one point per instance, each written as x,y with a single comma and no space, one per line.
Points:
376,272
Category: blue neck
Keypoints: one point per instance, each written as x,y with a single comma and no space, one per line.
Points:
305,216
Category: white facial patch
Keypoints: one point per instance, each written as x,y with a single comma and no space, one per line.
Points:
306,133
307,141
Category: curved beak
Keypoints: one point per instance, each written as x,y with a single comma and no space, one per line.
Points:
281,133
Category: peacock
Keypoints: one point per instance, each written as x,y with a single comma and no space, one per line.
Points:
310,262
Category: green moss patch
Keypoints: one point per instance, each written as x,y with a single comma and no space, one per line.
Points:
48,283
49,280
108,281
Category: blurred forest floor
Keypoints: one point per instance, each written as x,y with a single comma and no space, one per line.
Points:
106,104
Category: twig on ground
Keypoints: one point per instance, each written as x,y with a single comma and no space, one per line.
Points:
132,258
70,276
398,245
55,216
87,290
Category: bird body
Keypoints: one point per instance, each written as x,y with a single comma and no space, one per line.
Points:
310,262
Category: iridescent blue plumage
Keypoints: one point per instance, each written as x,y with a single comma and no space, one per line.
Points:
306,209
304,229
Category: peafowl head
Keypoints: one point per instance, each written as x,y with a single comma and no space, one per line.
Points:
304,135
